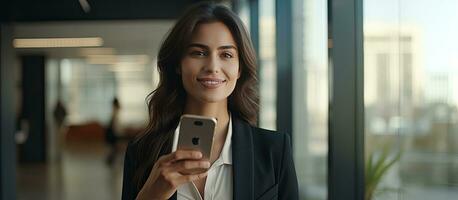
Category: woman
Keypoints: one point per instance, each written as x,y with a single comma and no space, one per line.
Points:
207,67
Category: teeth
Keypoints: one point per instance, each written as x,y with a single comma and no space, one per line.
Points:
211,82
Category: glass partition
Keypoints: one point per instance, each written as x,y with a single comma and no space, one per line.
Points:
411,99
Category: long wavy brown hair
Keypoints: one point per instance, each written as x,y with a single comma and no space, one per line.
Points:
166,103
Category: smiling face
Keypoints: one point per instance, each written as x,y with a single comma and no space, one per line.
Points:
210,67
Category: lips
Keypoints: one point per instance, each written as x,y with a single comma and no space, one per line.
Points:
211,83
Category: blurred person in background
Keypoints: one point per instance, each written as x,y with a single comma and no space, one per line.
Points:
207,67
59,114
112,132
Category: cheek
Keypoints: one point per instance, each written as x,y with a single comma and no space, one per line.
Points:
187,69
231,68
234,72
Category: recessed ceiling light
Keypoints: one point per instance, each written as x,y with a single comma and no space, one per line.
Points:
97,51
57,42
118,59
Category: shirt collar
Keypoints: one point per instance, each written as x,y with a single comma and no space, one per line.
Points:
226,153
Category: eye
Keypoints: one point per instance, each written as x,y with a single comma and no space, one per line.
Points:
227,55
198,53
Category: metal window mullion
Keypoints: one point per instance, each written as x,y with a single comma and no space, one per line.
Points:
284,55
346,138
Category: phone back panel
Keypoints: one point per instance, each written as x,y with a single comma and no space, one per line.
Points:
196,133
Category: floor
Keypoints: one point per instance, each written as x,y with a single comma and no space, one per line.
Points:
83,174
80,174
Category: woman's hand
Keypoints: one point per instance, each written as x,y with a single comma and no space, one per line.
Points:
172,170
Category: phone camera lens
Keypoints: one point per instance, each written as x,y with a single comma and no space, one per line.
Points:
198,123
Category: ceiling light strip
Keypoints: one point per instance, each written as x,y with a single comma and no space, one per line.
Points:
57,42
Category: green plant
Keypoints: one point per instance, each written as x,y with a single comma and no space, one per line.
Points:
376,167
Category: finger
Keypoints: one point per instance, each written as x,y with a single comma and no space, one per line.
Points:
180,155
189,166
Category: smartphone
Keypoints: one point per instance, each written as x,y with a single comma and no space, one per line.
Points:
195,133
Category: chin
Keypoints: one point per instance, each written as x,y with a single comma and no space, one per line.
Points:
212,98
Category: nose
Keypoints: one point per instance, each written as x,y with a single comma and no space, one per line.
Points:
212,65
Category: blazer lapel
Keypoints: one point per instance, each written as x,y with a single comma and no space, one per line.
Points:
242,156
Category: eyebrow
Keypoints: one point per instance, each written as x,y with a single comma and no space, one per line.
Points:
206,47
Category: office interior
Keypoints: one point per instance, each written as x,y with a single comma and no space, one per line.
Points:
367,90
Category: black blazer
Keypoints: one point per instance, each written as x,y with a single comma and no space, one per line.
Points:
263,166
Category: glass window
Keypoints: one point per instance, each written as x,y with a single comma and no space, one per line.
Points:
267,65
310,97
411,99
90,89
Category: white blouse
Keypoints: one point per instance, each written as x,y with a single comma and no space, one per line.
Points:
218,185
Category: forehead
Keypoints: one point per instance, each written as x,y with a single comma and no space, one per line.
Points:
213,34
